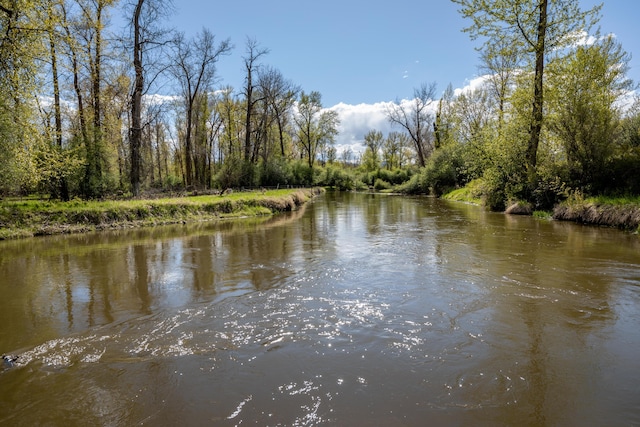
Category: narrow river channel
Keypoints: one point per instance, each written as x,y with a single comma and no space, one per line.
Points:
360,309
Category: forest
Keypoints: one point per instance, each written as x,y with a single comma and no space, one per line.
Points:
89,110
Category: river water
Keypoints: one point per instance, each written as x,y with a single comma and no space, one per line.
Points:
359,309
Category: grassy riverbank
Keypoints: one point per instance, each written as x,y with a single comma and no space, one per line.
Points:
27,218
619,212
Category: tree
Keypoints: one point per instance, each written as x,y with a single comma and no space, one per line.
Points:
373,142
534,28
194,68
94,16
500,63
585,89
315,126
253,54
393,149
22,50
281,95
416,118
135,132
473,111
442,125
147,36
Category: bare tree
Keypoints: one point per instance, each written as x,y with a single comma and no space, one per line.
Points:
501,63
194,68
146,36
416,118
254,52
280,95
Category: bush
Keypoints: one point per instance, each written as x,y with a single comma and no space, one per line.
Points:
337,178
441,171
301,173
415,185
380,184
274,173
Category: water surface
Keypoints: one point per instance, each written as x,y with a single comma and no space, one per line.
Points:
359,309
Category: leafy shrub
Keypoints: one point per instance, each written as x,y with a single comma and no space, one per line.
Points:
337,178
380,184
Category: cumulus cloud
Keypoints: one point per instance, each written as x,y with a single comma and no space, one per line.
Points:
357,120
471,85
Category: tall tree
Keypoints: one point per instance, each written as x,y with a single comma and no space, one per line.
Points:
535,28
194,68
147,36
280,94
500,64
22,51
585,88
416,118
135,133
393,148
373,142
315,126
254,52
52,21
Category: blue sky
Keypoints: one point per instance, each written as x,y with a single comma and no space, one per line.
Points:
356,51
360,54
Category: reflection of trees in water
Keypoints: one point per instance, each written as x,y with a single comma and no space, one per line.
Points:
64,284
548,299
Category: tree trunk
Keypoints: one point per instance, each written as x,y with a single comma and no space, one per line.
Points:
187,146
64,188
97,104
135,132
538,97
248,131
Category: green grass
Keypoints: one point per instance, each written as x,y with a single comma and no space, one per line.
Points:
30,217
470,193
615,201
546,215
622,212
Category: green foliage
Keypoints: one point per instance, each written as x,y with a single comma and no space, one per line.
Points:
585,85
470,193
301,173
275,172
442,172
338,178
230,174
381,184
415,185
58,167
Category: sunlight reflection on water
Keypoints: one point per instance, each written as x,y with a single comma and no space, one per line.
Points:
384,310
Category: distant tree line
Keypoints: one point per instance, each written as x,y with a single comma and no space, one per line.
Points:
87,112
81,114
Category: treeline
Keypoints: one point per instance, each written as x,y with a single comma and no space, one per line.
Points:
81,114
556,115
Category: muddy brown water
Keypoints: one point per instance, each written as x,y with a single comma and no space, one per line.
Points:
357,310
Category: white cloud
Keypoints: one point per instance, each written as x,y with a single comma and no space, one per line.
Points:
357,120
157,99
471,85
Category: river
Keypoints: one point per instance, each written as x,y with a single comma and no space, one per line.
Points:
359,309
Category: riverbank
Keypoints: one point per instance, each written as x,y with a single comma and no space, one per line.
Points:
618,212
29,218
621,212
